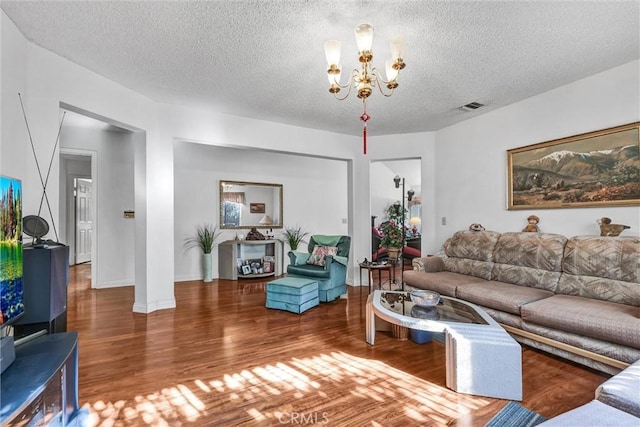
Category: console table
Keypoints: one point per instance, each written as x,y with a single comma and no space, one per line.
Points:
237,259
41,385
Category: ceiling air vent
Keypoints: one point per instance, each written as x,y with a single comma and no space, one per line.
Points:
472,106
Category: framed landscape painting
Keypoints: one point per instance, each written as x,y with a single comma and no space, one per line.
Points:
257,207
600,168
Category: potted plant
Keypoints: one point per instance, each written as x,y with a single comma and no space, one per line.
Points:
391,238
294,236
392,231
204,238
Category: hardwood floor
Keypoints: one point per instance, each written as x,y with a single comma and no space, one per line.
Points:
220,358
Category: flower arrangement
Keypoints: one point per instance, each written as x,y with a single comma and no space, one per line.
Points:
391,235
392,230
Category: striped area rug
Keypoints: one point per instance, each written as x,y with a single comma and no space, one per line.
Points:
515,415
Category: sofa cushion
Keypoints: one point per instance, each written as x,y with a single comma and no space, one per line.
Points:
310,271
526,276
476,245
500,296
617,323
605,268
623,390
535,250
469,267
443,282
471,253
616,258
529,259
598,288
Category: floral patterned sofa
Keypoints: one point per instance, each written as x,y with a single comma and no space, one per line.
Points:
577,298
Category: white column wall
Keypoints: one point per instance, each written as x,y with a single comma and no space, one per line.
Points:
471,158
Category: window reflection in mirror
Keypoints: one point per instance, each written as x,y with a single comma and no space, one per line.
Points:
250,204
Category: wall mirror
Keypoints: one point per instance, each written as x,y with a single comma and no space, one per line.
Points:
250,204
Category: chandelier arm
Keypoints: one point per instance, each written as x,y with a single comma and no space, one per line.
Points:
342,98
349,85
375,72
379,86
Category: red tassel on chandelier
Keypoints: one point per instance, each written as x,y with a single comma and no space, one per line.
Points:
365,118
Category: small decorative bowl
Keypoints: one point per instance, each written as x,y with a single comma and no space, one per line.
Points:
425,298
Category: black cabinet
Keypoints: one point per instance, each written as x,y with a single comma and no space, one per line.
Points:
45,279
415,242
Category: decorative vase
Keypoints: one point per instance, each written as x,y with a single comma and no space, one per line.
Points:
394,253
207,265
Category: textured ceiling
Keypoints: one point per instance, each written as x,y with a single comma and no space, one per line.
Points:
265,59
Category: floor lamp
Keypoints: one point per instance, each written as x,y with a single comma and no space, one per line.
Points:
397,180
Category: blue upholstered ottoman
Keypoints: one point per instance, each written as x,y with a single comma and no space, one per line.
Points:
294,294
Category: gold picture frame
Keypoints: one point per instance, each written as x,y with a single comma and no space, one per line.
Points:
600,168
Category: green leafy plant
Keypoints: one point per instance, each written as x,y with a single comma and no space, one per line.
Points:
204,238
394,213
294,236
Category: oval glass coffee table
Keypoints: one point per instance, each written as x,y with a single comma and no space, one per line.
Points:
481,357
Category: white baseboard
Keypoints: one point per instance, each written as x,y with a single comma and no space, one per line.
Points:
116,284
154,305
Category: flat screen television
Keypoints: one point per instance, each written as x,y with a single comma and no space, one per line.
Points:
11,284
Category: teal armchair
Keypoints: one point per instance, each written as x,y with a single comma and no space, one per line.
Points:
331,276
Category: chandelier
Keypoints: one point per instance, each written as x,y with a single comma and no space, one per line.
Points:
368,76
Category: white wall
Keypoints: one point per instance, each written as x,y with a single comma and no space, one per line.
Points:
471,160
14,155
383,190
114,192
314,193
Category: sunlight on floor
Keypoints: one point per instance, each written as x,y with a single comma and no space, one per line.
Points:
270,393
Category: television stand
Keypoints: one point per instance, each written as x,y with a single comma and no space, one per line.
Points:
7,352
42,383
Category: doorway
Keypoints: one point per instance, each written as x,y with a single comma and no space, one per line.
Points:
383,194
77,206
83,191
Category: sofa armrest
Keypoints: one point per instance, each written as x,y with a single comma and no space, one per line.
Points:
298,258
430,264
337,258
622,391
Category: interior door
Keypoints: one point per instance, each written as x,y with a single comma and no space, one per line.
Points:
84,220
